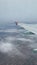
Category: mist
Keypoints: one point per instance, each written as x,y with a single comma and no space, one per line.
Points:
21,10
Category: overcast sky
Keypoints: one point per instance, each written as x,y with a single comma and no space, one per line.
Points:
22,10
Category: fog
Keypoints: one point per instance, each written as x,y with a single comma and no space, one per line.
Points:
21,10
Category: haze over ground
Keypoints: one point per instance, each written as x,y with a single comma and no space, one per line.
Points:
21,10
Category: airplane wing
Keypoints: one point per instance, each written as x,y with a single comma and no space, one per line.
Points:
31,27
